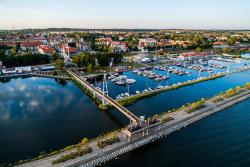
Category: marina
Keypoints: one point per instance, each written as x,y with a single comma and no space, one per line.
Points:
152,78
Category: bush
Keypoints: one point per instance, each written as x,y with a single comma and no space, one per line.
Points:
85,141
106,142
72,155
219,99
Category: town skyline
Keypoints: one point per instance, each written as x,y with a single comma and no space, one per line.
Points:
142,14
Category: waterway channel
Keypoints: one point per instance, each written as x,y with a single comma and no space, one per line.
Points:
44,114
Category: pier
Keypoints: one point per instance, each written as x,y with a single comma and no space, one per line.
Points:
34,74
105,97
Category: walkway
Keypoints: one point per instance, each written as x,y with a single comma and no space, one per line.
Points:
99,93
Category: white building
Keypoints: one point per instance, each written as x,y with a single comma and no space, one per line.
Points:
151,42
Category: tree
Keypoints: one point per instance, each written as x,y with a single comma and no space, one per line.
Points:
83,59
198,50
225,50
59,64
97,67
85,141
14,50
90,68
55,56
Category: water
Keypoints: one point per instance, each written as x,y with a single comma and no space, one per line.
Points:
246,55
176,98
143,83
46,115
222,139
38,114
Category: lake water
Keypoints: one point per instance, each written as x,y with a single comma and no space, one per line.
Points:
38,114
222,139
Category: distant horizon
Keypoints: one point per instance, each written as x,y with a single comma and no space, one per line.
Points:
129,14
188,29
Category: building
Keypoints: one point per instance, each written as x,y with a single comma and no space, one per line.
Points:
195,56
8,44
220,45
68,50
118,47
149,42
48,68
45,49
27,45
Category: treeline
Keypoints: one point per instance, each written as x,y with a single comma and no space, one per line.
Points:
23,60
104,58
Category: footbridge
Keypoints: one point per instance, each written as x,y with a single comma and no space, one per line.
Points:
99,93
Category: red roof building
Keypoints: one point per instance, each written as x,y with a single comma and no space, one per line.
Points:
9,44
68,49
45,49
219,43
194,55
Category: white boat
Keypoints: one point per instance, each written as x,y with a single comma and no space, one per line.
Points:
139,73
164,78
136,71
121,77
157,79
130,81
127,94
159,87
111,77
121,82
137,92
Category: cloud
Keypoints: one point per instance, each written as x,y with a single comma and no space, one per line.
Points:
21,104
22,87
34,103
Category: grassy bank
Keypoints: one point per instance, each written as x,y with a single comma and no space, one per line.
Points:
79,152
108,140
97,101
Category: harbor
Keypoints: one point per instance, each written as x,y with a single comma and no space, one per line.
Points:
157,77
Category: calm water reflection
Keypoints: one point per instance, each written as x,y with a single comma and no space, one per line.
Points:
38,114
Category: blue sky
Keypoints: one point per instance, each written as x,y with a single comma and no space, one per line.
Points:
198,14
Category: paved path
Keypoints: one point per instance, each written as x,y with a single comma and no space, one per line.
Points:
99,93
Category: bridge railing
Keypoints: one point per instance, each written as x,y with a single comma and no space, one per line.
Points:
122,109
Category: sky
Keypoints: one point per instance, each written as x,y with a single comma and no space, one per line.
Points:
148,14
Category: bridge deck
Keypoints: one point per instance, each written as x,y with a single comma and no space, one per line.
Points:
111,101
